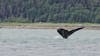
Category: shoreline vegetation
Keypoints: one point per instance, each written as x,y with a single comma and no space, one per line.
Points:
88,26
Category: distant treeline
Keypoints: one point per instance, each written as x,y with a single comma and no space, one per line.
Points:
57,11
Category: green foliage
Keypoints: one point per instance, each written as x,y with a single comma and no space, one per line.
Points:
57,11
17,19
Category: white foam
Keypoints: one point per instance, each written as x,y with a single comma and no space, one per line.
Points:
57,37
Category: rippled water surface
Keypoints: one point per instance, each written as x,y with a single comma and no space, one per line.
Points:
47,42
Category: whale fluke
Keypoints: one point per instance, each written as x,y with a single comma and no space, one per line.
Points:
65,33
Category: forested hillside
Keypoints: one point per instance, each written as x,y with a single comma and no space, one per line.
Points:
57,11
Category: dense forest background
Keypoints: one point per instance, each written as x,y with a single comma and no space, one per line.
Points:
56,11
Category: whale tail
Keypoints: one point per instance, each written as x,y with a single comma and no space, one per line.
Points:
65,33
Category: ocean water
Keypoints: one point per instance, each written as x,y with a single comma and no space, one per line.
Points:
47,42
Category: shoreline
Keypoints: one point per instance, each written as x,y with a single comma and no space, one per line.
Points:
49,26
